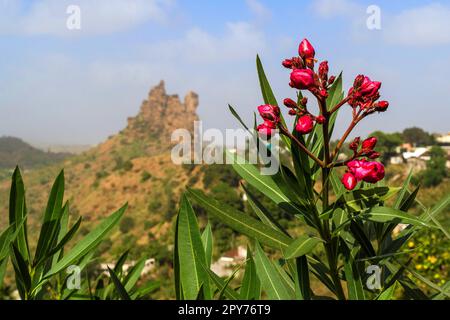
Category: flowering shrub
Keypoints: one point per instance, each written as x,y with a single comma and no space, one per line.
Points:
346,215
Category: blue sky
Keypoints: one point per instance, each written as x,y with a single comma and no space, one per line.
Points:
65,86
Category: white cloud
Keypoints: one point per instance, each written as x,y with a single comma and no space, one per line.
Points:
427,25
48,17
333,8
240,40
259,10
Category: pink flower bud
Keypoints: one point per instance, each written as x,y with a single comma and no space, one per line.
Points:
287,63
290,103
323,70
349,181
304,101
369,143
323,93
306,50
292,112
382,106
269,112
304,125
320,119
302,79
267,128
331,80
355,144
373,155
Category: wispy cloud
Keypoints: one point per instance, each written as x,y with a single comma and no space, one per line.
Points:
261,12
48,17
422,26
333,8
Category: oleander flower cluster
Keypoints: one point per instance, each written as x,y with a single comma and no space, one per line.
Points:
362,98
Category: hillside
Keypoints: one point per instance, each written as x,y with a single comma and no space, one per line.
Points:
132,166
15,151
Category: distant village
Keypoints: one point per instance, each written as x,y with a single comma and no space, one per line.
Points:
416,157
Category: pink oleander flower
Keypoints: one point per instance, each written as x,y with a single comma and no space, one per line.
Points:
349,181
302,79
369,88
305,124
368,171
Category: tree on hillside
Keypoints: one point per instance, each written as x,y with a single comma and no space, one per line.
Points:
417,137
436,170
387,143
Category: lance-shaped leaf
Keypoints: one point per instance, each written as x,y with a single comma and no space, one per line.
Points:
191,253
207,239
385,214
263,214
18,213
52,218
263,183
301,246
123,294
302,283
353,271
88,243
271,280
221,285
251,286
241,222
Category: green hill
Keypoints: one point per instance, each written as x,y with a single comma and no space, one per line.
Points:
14,151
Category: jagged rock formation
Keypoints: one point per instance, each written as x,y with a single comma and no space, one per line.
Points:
160,115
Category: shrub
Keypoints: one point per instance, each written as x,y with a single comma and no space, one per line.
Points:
346,219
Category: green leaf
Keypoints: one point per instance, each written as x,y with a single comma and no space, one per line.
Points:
301,246
241,222
52,217
221,285
18,213
302,283
176,264
119,286
363,239
191,253
251,286
353,273
207,240
263,214
134,274
403,191
388,294
266,90
441,205
89,242
238,117
385,214
409,201
23,278
263,183
120,262
271,280
66,238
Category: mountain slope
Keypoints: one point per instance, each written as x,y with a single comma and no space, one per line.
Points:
14,151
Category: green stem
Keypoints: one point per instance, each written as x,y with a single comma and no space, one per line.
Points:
332,256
